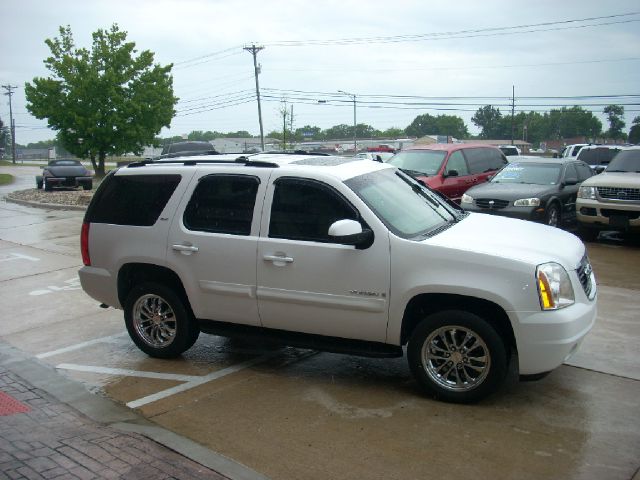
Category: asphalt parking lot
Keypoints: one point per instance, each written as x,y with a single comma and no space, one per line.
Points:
292,413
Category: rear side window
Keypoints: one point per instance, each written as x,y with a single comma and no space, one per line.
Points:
134,200
483,160
222,204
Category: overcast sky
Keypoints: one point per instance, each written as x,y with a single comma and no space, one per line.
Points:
415,48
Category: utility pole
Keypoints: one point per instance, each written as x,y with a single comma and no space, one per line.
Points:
355,141
254,51
12,124
513,109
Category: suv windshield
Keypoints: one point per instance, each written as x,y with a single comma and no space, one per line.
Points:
626,161
407,208
533,173
419,162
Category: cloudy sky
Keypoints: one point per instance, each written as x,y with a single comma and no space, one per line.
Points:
400,59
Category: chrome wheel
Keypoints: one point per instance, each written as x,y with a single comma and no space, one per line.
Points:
456,358
154,321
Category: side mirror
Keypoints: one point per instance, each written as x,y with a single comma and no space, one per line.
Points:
350,232
452,173
570,181
600,169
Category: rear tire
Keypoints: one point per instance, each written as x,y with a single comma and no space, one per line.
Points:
39,184
46,185
457,356
158,321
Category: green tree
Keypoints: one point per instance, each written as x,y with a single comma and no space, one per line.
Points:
339,131
615,115
103,101
393,132
634,132
426,124
308,133
5,137
489,120
569,122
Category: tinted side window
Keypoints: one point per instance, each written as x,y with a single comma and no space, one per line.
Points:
478,159
584,171
304,210
222,204
496,160
570,172
458,163
131,199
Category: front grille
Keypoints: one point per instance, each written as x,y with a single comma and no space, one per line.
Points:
622,194
584,275
491,203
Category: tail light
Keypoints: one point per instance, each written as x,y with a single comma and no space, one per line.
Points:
84,244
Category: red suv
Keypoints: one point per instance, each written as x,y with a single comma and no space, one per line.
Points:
450,168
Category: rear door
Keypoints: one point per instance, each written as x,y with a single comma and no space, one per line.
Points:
213,240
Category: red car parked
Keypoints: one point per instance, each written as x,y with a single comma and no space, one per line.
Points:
450,168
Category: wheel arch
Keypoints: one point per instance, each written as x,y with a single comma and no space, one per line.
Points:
429,303
131,274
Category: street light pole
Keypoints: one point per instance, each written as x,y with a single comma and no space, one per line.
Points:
355,141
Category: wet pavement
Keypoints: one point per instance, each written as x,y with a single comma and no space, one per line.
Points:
291,413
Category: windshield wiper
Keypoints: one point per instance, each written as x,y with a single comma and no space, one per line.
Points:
414,173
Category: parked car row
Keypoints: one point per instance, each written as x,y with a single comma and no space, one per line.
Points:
551,191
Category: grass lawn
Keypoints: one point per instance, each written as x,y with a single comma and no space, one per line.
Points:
5,179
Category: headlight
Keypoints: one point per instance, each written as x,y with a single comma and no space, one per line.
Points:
554,287
466,198
527,202
587,192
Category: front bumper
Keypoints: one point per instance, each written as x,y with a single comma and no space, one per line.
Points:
546,339
68,181
536,214
608,216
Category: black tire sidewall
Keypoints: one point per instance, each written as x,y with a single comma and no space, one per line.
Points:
482,328
553,206
186,327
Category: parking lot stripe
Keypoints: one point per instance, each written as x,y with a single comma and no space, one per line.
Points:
197,382
127,373
78,346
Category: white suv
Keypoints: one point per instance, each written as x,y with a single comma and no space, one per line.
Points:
335,254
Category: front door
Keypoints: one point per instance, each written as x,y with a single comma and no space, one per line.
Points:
308,283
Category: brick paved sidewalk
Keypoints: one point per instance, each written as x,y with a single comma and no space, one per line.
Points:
53,441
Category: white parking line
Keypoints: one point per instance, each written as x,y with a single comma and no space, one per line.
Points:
127,373
197,382
78,346
18,256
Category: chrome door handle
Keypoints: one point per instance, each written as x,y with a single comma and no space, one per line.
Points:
277,259
185,249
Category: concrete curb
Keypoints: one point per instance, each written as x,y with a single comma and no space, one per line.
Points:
107,412
49,206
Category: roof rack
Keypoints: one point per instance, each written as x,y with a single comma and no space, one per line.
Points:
243,159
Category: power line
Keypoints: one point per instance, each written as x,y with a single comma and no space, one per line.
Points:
483,32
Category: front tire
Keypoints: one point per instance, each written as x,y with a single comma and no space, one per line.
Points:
457,356
158,321
552,217
47,186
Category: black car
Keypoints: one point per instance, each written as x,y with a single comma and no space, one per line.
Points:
64,173
539,189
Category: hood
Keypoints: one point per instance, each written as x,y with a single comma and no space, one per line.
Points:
614,179
510,191
520,240
68,170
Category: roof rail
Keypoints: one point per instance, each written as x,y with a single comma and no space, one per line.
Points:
245,160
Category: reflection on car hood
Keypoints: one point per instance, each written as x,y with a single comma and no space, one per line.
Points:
510,191
67,170
521,240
